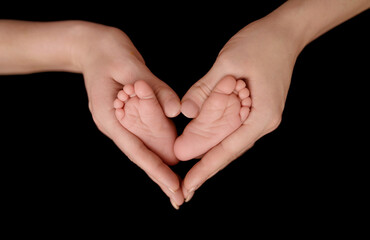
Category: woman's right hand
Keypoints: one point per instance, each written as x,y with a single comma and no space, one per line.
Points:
108,60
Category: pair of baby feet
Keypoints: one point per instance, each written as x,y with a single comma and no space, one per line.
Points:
225,109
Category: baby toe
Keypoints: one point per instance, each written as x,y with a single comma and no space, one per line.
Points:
122,96
118,104
129,90
244,93
244,113
120,114
240,84
247,102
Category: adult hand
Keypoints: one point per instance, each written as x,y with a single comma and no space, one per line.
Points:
264,57
109,60
263,54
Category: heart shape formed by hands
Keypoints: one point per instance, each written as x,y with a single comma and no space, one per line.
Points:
257,61
226,107
237,102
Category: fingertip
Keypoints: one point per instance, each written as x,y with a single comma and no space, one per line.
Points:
176,197
172,108
174,204
188,193
189,109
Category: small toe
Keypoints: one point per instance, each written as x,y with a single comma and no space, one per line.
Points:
119,114
118,104
122,96
129,90
244,113
247,102
244,93
240,84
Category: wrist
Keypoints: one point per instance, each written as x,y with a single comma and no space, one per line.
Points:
84,37
302,21
283,23
95,43
29,47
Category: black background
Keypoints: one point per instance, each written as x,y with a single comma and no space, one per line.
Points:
60,173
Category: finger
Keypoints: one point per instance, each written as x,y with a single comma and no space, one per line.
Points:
194,98
152,165
167,98
222,154
104,114
176,198
148,161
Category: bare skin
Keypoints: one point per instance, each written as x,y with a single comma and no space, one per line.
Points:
81,47
263,53
139,111
226,108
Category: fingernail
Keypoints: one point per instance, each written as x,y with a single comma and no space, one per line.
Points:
172,108
190,196
174,205
189,109
171,190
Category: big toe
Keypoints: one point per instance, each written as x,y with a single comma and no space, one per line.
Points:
143,90
226,85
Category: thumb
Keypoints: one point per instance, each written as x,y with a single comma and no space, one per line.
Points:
166,96
194,98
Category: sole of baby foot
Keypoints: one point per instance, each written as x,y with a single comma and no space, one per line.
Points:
226,108
139,111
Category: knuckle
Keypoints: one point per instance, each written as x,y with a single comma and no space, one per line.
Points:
123,70
202,89
274,122
229,60
225,60
232,150
99,124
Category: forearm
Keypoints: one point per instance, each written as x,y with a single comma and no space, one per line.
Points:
27,47
305,20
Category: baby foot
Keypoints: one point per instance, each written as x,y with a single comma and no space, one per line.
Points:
226,108
139,111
